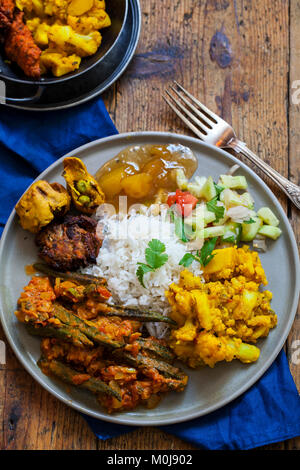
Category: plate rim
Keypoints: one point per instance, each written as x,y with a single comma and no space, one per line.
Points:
121,419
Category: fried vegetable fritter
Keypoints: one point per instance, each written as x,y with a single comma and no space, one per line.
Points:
21,48
85,191
69,244
6,17
41,203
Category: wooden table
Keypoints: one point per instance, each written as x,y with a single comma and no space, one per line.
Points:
251,86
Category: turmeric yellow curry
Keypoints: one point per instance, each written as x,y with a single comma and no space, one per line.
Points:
65,31
219,318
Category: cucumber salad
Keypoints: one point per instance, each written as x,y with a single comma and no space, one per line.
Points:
223,210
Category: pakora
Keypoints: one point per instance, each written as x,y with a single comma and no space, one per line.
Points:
85,191
70,243
41,203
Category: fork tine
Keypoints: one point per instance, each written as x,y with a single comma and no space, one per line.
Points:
207,123
198,123
184,119
210,114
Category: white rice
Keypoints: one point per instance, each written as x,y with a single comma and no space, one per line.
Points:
124,244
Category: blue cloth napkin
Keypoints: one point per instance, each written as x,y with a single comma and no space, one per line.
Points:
29,142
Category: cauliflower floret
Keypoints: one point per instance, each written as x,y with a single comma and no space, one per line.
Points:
59,63
73,43
85,24
29,6
57,8
33,24
41,35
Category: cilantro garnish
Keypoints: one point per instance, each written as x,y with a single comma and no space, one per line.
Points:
218,189
155,256
213,207
204,256
250,221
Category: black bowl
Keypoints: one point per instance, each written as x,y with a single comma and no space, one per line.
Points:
117,10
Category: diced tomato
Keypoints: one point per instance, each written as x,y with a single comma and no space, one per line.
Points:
103,292
185,202
171,199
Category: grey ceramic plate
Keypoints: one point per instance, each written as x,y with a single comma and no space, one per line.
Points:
208,389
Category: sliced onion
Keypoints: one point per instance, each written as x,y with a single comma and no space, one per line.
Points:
259,244
239,213
233,169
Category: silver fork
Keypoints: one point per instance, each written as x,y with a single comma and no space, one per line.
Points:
214,130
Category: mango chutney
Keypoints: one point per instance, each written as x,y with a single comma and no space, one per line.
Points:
145,173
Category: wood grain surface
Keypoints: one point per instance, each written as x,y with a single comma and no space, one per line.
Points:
242,58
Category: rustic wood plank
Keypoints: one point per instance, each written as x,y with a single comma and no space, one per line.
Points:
247,85
294,175
145,438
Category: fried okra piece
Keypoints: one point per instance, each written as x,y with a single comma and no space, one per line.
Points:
41,203
85,192
74,377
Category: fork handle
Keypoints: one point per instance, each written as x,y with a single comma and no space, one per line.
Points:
290,189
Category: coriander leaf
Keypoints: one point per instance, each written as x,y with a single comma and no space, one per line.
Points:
142,269
157,245
213,207
155,255
187,260
229,239
154,259
218,189
205,254
250,221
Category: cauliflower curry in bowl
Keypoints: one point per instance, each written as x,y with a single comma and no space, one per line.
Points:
51,36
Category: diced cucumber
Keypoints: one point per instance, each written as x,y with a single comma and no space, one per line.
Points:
270,231
189,220
208,189
210,232
209,216
195,189
268,216
181,179
230,198
221,221
198,217
247,200
200,180
233,182
233,232
249,231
